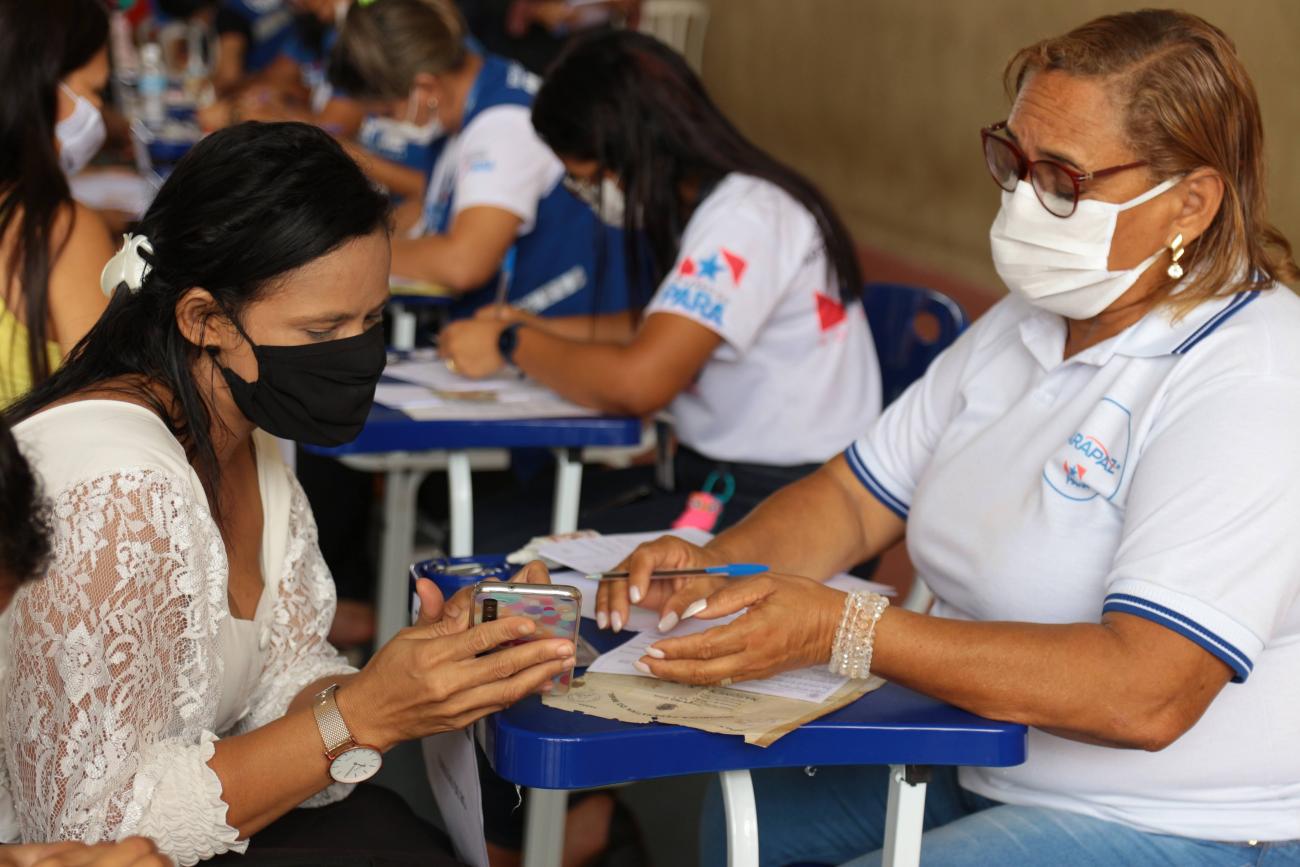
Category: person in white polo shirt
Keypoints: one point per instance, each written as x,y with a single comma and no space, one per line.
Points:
1099,482
755,340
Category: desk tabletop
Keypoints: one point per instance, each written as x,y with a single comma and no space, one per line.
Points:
391,430
533,745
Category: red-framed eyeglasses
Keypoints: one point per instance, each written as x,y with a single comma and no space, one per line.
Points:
1056,185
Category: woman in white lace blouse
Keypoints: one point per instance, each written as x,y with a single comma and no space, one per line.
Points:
170,676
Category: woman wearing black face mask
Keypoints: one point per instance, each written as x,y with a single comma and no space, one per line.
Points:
174,660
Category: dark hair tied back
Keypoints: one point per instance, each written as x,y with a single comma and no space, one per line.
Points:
244,207
633,105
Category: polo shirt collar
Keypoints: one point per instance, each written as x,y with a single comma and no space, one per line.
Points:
1155,334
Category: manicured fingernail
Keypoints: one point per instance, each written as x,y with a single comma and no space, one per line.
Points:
570,663
616,620
524,628
451,611
655,652
548,686
634,594
602,619
695,608
643,668
668,621
565,649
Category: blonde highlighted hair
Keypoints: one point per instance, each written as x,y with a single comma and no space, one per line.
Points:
384,44
1190,104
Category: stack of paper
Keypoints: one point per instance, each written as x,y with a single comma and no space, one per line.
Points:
427,391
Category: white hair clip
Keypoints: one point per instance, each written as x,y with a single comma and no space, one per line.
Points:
127,267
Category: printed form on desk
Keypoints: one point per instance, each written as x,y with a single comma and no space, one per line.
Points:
427,391
759,719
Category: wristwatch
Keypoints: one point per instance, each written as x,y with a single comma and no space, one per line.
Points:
508,340
350,762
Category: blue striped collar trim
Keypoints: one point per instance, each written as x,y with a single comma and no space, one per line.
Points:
880,492
1124,603
1234,307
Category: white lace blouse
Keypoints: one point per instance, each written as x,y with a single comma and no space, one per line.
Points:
113,663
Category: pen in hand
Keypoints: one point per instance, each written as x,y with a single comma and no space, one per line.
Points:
730,570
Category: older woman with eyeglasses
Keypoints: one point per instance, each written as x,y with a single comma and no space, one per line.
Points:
1098,481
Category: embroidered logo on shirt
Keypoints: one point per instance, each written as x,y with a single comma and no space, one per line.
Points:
709,267
829,312
701,284
1091,463
698,302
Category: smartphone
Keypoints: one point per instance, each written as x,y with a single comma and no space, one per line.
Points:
555,608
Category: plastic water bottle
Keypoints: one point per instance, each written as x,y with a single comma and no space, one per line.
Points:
153,85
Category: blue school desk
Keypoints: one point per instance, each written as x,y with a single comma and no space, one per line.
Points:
406,450
554,752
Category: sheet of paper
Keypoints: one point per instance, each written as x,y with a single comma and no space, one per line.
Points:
452,767
853,584
403,395
814,684
111,190
759,719
427,391
639,619
602,553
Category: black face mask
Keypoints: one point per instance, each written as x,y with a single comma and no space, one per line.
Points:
317,393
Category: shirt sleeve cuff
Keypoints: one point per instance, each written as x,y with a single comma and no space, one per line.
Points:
1191,618
860,465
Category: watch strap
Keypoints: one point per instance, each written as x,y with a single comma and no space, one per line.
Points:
508,340
334,732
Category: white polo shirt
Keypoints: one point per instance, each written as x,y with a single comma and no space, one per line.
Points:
497,160
1155,474
796,376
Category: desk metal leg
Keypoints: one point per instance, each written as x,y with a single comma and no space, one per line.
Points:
568,491
461,492
394,601
544,814
905,815
742,818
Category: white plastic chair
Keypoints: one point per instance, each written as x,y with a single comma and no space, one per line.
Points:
680,24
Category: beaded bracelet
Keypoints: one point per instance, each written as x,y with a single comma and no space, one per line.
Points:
851,652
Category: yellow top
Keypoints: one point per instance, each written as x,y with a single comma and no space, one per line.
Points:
15,371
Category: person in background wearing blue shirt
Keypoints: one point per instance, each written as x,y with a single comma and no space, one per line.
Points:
495,214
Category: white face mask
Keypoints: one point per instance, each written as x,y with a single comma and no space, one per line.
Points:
1060,264
607,200
81,134
408,130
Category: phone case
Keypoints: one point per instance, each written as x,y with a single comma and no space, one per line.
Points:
555,608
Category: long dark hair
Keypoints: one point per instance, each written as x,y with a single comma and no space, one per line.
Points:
40,43
244,207
631,103
24,516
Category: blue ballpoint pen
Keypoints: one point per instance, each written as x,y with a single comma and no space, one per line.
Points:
730,570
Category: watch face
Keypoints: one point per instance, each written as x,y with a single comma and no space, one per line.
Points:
356,765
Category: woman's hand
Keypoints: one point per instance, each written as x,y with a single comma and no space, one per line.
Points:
670,598
507,314
470,346
790,623
131,852
431,678
454,614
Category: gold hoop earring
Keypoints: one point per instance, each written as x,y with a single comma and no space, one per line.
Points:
1176,251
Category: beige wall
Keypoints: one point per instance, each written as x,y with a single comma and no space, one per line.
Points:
881,102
